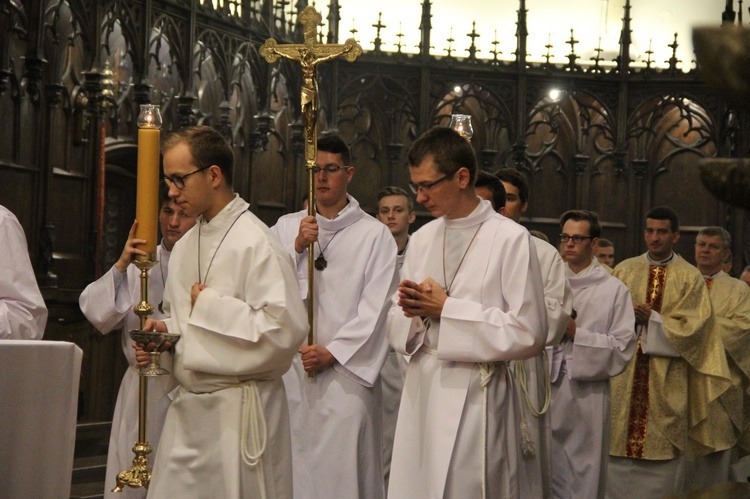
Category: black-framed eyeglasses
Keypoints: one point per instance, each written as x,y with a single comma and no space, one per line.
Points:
577,239
179,180
424,187
329,169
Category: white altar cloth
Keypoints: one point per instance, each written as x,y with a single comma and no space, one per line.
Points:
39,400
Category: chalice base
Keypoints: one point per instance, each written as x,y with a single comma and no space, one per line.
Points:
152,337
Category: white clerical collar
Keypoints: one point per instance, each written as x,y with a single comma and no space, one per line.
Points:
713,276
666,261
481,213
347,216
341,211
590,276
583,272
225,215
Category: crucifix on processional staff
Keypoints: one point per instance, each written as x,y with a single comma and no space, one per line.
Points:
309,54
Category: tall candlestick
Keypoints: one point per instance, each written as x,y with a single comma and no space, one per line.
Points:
147,194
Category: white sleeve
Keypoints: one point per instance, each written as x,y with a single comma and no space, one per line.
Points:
107,301
23,314
360,346
471,331
258,330
600,355
653,339
405,334
558,299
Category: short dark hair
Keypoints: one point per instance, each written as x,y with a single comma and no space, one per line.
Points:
392,190
595,229
448,150
335,144
726,237
517,179
605,243
207,147
491,182
665,213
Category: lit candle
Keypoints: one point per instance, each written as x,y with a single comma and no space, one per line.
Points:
462,124
147,194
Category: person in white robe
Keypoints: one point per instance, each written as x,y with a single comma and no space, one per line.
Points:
396,210
23,314
508,191
232,296
108,305
336,415
471,301
599,342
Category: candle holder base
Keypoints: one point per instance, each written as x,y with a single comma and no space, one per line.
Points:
139,474
158,339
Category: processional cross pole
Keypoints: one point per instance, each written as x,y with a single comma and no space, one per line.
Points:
310,54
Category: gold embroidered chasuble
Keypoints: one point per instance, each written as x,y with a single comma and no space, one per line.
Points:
659,401
730,422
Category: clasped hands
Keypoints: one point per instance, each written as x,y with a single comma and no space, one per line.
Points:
642,313
425,299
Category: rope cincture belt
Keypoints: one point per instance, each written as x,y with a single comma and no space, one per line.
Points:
528,448
254,422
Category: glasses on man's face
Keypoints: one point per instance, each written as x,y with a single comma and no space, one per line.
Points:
179,180
328,169
424,187
577,239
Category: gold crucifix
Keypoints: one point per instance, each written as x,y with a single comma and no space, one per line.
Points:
309,54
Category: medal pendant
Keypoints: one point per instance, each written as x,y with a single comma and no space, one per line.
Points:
321,263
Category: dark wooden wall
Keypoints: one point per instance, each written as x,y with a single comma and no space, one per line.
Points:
619,140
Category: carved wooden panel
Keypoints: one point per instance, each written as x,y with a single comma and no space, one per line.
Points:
615,142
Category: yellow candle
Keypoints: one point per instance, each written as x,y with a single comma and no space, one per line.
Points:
147,198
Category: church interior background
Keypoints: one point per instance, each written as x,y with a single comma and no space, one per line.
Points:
616,125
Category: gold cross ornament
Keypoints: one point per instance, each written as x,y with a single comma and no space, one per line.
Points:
309,54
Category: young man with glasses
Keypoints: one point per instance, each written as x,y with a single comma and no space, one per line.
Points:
232,295
598,344
471,300
336,416
662,402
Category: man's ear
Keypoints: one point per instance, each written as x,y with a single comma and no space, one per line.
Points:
412,217
463,177
216,175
